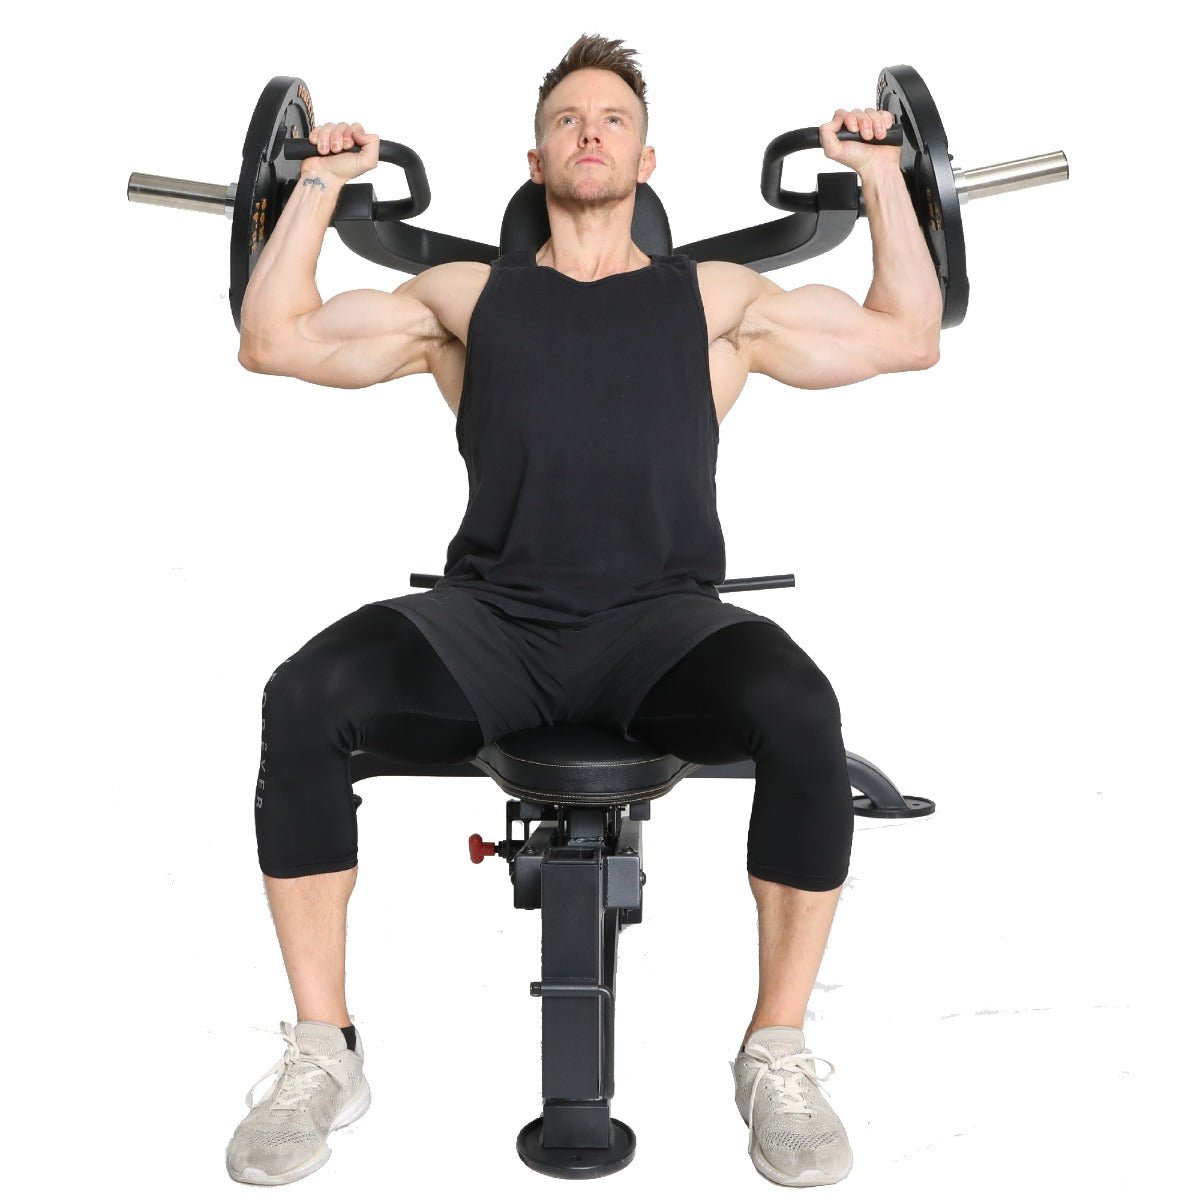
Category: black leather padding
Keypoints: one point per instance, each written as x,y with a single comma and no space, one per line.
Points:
579,764
526,223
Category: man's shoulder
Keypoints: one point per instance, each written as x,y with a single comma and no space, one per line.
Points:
724,274
450,291
727,290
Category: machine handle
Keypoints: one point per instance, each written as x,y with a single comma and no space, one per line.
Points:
389,152
807,139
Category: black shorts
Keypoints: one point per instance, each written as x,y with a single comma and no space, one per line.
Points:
527,671
372,681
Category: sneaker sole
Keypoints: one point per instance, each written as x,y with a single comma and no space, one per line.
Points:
812,1178
355,1109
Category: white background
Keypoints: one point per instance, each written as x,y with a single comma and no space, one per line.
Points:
994,564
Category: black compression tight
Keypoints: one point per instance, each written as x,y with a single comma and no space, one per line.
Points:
371,681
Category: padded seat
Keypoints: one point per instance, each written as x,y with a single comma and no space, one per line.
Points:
579,764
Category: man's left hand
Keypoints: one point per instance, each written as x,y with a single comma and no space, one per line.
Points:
869,123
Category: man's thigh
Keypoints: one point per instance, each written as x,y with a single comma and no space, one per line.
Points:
714,704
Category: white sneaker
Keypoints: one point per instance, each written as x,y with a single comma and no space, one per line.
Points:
796,1138
319,1087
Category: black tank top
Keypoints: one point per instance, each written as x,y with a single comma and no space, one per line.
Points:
590,439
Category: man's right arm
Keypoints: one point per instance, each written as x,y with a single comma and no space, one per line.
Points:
352,340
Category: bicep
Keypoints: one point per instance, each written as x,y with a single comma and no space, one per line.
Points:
819,337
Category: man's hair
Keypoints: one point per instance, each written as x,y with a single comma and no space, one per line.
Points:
594,51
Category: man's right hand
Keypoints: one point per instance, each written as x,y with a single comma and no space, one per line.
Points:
332,139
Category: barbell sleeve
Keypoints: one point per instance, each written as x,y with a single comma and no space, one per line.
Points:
181,193
1010,176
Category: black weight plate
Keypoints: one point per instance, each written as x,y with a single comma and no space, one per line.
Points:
925,162
283,110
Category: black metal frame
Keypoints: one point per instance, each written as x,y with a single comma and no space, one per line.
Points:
835,206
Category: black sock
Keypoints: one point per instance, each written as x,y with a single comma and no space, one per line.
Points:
348,1034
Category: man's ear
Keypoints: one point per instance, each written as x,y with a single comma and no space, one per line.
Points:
647,164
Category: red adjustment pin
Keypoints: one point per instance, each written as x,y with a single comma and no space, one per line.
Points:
479,848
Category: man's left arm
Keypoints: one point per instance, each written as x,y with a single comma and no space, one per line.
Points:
820,337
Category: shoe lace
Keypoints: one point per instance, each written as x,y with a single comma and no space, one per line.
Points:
785,1076
299,1073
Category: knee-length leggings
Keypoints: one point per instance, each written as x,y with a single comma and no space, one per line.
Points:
372,682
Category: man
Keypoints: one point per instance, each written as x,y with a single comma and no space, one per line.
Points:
588,380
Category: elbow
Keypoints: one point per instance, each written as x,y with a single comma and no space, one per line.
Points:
915,348
916,358
254,350
260,364
924,355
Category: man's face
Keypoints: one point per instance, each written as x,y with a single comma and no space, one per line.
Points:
591,114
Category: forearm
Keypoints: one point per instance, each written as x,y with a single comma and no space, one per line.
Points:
283,284
906,284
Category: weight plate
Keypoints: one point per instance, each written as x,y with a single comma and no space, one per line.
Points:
283,110
925,162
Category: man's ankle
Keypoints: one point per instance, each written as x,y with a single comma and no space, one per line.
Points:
341,1022
765,1025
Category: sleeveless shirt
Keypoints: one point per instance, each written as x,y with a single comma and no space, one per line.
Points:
588,555
590,440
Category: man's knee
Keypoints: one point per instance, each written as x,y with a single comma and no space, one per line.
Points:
309,687
791,695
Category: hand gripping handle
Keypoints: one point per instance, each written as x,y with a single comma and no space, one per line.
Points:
807,139
389,152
